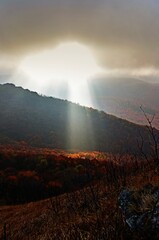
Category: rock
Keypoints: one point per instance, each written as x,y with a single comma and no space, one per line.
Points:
140,209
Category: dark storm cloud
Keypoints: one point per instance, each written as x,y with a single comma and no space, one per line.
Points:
124,34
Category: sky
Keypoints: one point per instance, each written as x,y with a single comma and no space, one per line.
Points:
121,36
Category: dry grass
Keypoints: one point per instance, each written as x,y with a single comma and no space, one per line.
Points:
91,214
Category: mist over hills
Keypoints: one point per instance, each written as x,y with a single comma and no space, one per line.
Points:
123,97
119,96
49,122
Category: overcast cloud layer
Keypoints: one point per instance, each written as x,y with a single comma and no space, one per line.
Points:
124,34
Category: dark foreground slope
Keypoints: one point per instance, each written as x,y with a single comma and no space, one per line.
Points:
48,122
91,213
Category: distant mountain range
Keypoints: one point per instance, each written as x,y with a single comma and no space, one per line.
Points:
123,97
49,122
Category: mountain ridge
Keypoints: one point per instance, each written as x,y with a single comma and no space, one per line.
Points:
43,121
123,97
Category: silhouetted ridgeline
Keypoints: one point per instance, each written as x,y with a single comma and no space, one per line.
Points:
49,122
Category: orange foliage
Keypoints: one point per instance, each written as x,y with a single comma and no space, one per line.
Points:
12,178
55,184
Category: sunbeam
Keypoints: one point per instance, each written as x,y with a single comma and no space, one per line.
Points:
67,67
64,72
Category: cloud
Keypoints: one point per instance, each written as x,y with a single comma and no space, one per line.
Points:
123,34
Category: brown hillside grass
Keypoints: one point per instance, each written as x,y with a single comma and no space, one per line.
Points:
90,213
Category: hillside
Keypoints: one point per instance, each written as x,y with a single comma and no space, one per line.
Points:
123,97
91,213
48,122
